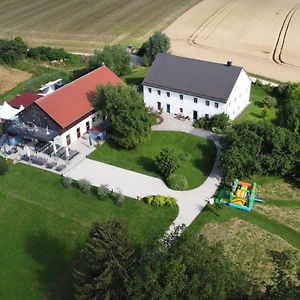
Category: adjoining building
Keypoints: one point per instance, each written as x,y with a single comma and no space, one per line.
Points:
67,113
196,88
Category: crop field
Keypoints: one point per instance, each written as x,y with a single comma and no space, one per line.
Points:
261,36
9,78
83,26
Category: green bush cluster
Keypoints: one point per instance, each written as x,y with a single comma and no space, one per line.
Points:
218,123
177,182
103,191
67,182
48,53
84,185
3,166
167,162
159,200
12,50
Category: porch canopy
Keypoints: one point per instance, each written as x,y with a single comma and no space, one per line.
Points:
34,132
7,112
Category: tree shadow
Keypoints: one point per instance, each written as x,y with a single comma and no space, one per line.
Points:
54,273
147,163
258,103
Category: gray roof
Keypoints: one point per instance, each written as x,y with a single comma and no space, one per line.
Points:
193,77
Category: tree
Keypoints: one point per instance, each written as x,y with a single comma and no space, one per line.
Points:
129,120
185,267
258,148
12,50
167,162
115,57
288,114
106,263
283,286
269,101
220,121
157,43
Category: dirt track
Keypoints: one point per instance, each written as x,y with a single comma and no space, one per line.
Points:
259,35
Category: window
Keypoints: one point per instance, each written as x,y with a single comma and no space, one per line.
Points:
93,119
207,103
168,94
68,139
206,116
78,132
181,110
234,99
158,92
181,97
195,100
216,105
149,90
87,124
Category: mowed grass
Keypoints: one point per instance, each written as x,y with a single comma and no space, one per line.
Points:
43,226
85,25
254,112
142,160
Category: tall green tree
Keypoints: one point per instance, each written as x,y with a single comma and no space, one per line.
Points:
157,43
185,267
115,57
106,263
129,120
283,286
167,162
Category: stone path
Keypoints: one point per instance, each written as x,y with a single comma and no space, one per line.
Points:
133,184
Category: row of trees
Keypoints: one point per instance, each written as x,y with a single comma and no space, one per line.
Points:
259,148
176,267
16,49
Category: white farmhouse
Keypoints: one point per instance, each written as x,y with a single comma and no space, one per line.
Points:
196,88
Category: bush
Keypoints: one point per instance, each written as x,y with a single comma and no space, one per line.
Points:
177,182
204,123
185,156
67,182
159,200
47,53
269,101
220,121
167,162
103,191
3,166
84,185
118,198
12,50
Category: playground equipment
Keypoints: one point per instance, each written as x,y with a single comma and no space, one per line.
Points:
238,194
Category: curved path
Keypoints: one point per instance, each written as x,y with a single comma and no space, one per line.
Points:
133,184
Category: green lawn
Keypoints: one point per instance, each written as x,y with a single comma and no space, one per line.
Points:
136,76
43,225
254,112
202,152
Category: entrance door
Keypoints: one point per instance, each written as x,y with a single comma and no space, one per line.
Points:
158,105
168,108
195,115
87,124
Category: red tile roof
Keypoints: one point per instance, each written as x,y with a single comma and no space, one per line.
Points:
24,99
69,103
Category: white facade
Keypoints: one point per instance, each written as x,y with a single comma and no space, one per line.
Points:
196,107
78,130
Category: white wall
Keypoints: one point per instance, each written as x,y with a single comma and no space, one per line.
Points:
239,97
237,101
187,104
61,139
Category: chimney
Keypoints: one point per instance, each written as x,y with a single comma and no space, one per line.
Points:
229,63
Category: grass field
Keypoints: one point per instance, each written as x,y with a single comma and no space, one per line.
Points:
254,112
43,225
196,169
85,25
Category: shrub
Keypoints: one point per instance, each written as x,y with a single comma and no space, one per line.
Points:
118,198
177,182
204,123
159,200
269,101
67,182
220,121
103,191
84,185
167,162
3,166
47,53
185,156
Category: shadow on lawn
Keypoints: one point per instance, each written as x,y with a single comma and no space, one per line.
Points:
147,163
54,273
